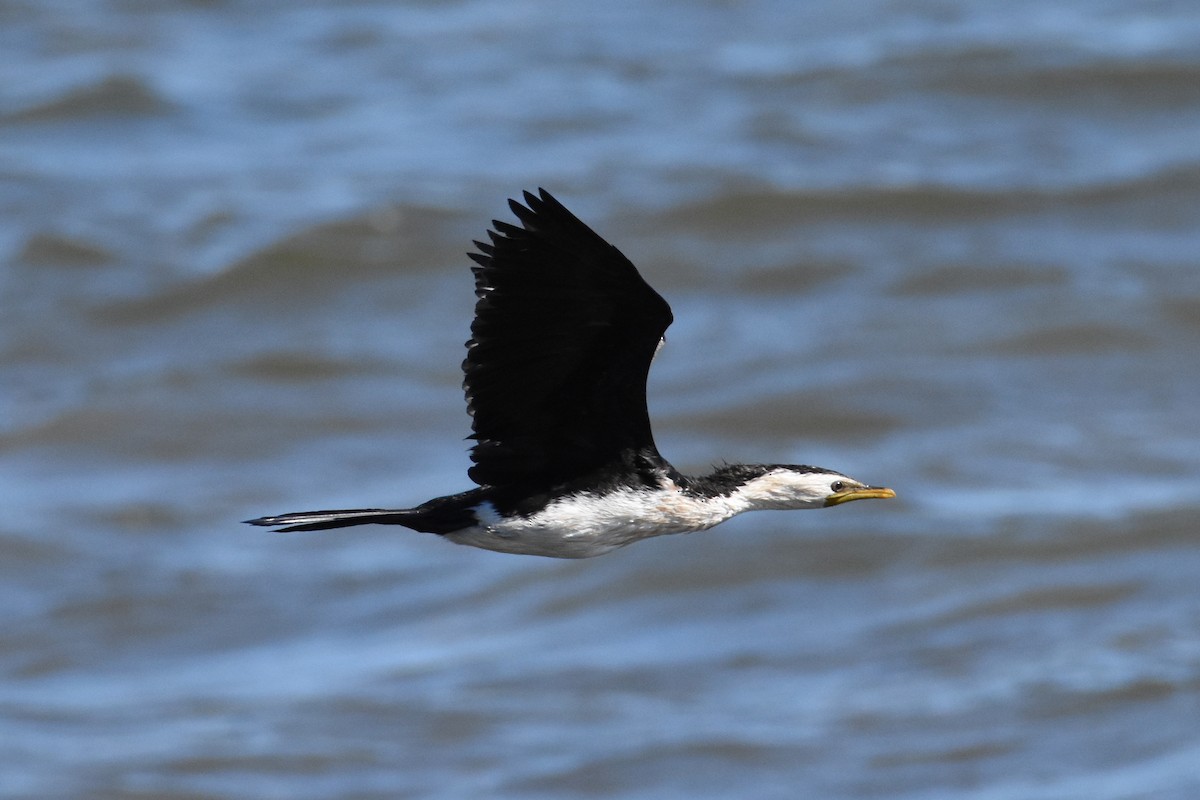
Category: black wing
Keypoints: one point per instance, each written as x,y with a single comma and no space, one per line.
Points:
564,332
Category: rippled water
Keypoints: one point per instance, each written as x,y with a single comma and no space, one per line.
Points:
945,246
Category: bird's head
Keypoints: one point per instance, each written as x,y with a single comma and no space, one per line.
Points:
793,486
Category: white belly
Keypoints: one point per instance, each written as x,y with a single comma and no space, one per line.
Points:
584,525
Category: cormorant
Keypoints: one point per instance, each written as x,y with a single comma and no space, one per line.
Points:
555,379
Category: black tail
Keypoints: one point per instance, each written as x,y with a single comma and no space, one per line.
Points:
439,515
323,520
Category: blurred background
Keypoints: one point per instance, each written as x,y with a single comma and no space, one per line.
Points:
949,247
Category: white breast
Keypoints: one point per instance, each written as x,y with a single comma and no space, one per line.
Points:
585,525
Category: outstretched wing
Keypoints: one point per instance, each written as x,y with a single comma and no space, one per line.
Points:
564,332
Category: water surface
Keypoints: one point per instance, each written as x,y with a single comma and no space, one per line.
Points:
947,247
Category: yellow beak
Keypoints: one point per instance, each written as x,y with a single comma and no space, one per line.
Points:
866,493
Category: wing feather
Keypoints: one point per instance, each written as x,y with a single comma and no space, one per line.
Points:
564,332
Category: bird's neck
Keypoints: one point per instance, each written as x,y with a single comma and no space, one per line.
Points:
737,488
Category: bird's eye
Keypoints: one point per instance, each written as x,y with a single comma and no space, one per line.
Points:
837,486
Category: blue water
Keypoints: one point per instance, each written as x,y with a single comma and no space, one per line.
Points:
945,247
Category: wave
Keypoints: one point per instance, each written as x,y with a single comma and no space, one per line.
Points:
755,208
307,266
114,95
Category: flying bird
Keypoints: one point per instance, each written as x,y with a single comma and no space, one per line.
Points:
555,380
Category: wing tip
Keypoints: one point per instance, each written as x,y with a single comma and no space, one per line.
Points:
535,205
